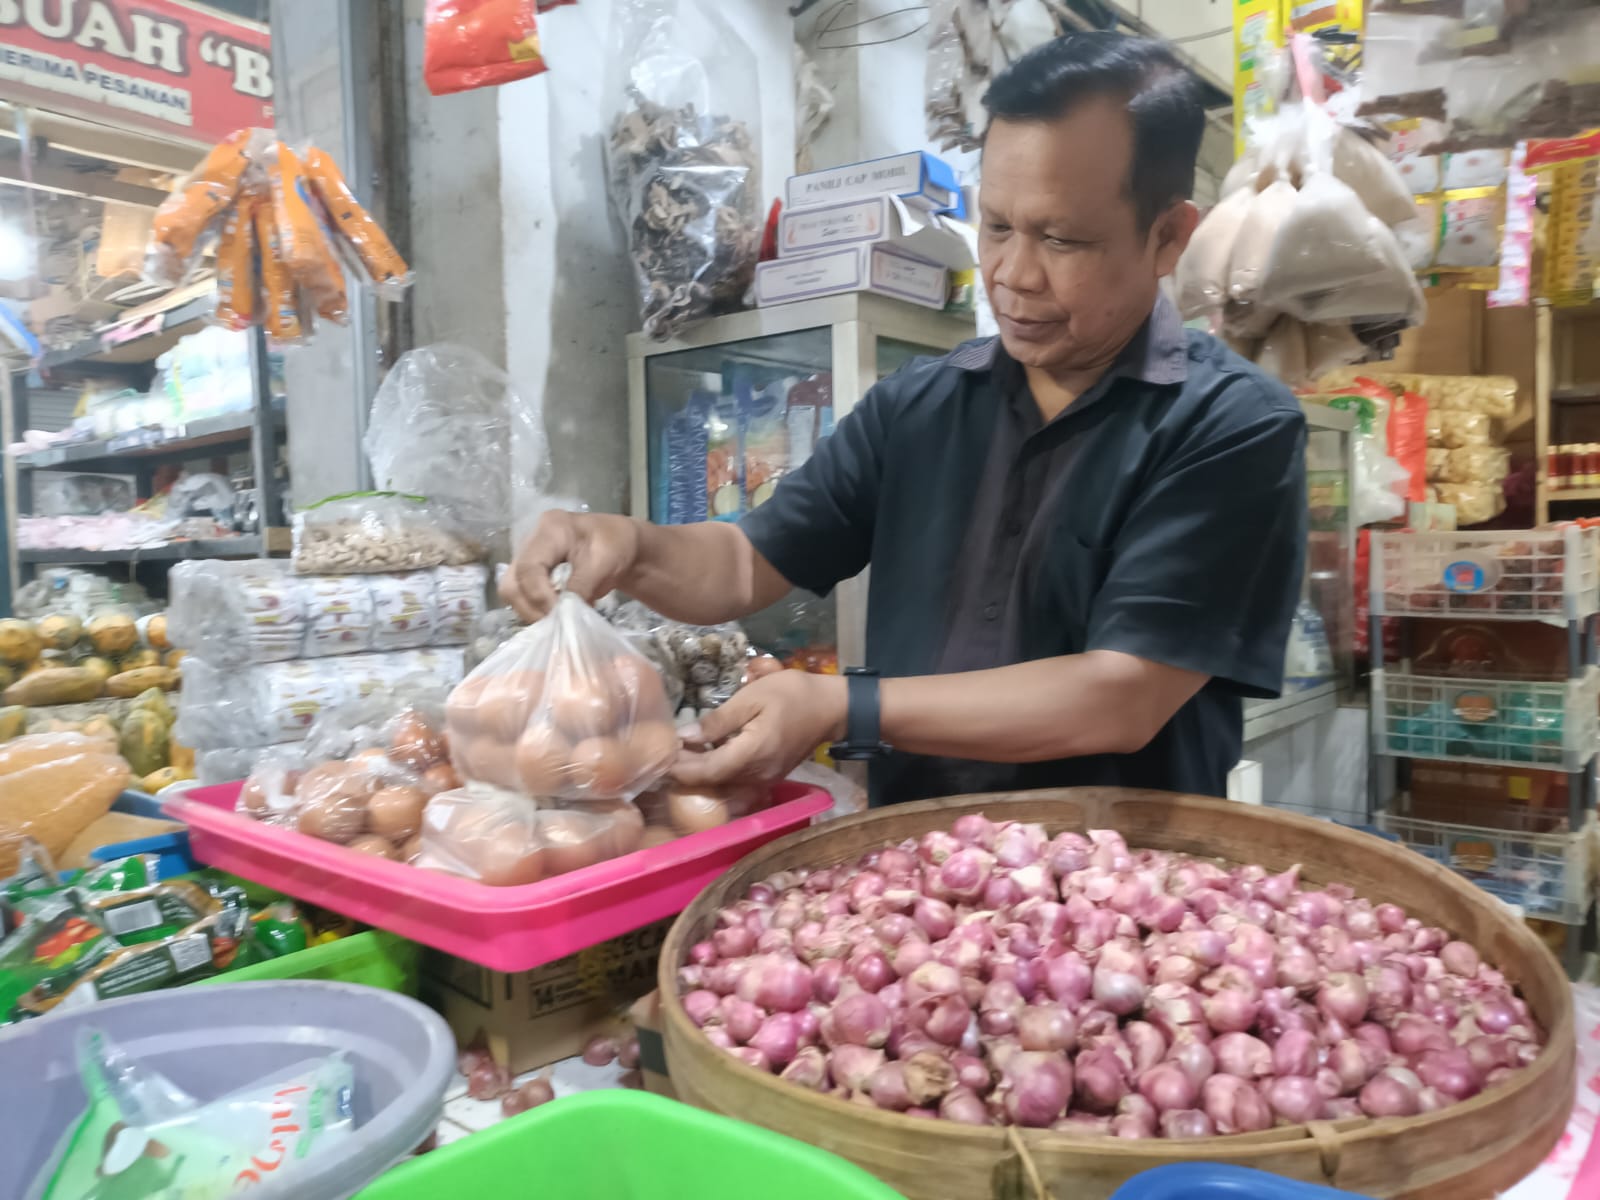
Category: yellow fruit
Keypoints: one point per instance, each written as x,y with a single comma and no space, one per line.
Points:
155,632
135,659
143,741
19,643
53,685
113,633
131,683
13,722
157,780
155,700
101,727
173,657
38,665
100,666
183,759
59,631
8,676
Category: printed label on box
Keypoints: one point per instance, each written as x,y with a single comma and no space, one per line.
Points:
909,278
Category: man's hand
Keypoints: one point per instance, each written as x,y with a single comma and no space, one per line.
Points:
601,549
765,730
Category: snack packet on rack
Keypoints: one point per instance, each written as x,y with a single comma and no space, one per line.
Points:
479,43
565,710
185,217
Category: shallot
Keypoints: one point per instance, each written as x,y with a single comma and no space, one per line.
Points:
995,975
530,1095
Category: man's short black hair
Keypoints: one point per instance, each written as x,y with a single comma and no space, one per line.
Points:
1163,99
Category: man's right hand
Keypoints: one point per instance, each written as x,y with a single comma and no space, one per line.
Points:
601,549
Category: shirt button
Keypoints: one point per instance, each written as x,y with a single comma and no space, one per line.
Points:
991,612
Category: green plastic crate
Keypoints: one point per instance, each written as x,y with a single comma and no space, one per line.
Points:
616,1145
375,958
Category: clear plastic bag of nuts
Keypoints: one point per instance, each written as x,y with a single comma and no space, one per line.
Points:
567,710
361,533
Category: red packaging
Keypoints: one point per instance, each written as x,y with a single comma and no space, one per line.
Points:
479,43
1408,442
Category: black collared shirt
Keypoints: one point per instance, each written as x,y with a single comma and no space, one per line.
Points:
1163,514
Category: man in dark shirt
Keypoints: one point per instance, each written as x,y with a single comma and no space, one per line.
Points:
1086,535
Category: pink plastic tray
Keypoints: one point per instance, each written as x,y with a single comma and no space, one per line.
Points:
504,929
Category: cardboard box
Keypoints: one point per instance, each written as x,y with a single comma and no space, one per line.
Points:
646,1017
1516,798
533,1018
853,269
877,220
920,179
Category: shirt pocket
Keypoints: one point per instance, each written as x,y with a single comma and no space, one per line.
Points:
1069,574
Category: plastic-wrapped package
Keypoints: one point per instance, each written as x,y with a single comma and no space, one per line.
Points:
1362,166
701,665
1438,463
1202,276
683,160
194,206
1470,223
479,43
225,765
1283,353
1458,429
1329,346
58,494
277,702
1435,428
142,1135
204,494
1475,464
447,423
230,613
376,259
684,811
505,840
567,709
1252,249
367,532
1474,503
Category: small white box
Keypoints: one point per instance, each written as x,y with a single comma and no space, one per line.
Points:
877,220
853,269
918,177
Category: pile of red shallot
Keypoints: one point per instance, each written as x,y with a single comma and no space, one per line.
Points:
994,975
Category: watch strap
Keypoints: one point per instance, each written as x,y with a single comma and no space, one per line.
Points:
863,738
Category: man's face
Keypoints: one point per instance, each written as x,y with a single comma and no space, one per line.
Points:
1069,272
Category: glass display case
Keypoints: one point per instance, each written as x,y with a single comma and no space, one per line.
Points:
1319,665
720,414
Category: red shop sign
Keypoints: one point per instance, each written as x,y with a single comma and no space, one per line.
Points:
157,65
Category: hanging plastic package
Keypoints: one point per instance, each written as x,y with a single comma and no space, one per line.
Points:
479,43
683,163
566,710
447,423
144,1136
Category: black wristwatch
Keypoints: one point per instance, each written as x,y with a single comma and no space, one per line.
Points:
862,727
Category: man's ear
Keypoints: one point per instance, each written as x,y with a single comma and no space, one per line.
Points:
1171,233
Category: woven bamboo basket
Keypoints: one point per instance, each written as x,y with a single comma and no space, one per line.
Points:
1468,1151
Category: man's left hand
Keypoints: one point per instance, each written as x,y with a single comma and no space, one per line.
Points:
765,730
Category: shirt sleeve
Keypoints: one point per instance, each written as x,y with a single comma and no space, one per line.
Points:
816,529
1205,573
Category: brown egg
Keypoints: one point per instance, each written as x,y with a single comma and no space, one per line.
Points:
506,702
494,762
639,691
332,818
627,824
509,861
414,744
373,757
542,755
651,748
253,799
656,835
695,812
461,709
378,847
442,778
396,812
409,852
572,841
583,708
653,804
336,780
600,767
